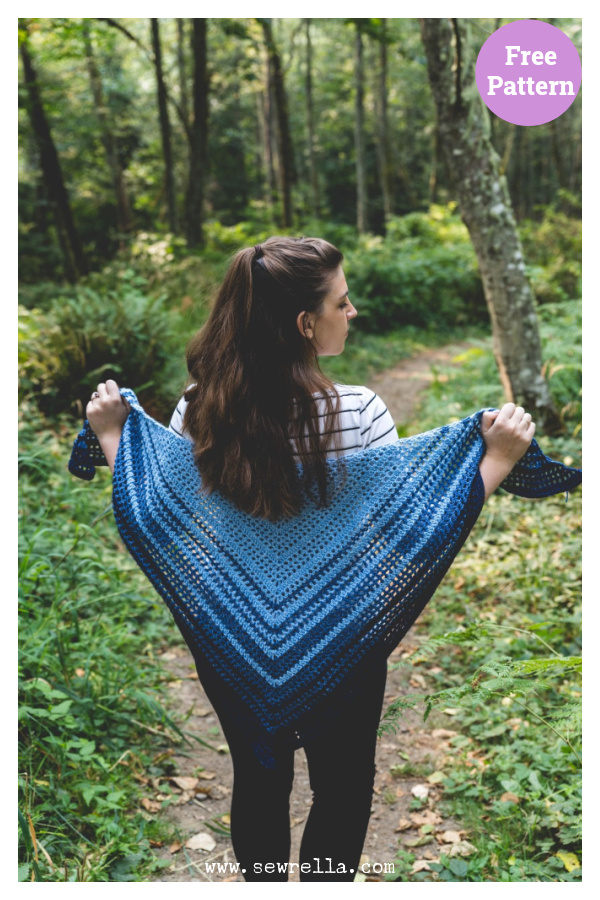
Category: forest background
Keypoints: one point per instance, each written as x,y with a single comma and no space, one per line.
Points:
152,149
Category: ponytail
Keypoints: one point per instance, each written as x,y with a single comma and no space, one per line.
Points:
254,376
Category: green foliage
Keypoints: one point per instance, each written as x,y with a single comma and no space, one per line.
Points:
472,381
423,273
503,651
88,335
552,250
561,333
89,683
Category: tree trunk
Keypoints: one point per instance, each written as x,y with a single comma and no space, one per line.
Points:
165,127
487,212
270,143
310,121
74,258
124,217
383,143
433,177
198,139
183,85
359,138
286,153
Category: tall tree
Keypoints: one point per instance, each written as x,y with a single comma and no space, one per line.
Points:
124,217
74,261
486,210
359,134
198,138
182,70
310,126
268,131
383,144
286,152
165,126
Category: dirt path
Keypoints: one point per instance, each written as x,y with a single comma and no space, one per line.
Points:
405,761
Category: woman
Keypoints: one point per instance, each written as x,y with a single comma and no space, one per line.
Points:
263,420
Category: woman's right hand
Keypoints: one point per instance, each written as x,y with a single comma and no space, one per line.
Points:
507,433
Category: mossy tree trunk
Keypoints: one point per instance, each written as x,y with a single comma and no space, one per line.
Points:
486,209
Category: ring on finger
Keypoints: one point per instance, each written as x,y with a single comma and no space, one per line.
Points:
95,395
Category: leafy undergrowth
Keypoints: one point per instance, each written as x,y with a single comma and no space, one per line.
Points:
89,714
502,660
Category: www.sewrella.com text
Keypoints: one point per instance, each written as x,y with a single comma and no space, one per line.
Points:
317,867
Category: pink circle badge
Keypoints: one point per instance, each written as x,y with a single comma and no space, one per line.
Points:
528,72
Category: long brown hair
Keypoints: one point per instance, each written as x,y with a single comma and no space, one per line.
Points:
254,378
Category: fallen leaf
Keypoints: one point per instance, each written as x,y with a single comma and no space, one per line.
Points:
420,790
448,837
420,865
451,712
507,797
426,817
443,733
175,847
418,680
418,841
403,825
150,805
168,656
207,776
462,848
569,860
400,793
430,855
194,675
436,778
185,782
435,670
226,819
201,841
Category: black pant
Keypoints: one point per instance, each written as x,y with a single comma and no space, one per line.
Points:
341,766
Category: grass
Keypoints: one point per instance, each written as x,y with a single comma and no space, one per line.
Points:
505,630
92,717
90,687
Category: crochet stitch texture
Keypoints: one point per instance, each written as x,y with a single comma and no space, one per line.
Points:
283,617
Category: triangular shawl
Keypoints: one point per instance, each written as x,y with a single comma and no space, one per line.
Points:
283,618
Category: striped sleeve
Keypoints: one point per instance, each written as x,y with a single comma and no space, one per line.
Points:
376,424
176,423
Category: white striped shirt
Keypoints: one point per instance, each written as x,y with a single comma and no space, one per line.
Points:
364,420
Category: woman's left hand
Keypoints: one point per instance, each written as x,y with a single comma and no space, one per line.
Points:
107,410
106,413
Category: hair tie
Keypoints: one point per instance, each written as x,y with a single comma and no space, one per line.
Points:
258,252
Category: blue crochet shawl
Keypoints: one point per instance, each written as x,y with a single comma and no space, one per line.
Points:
284,618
